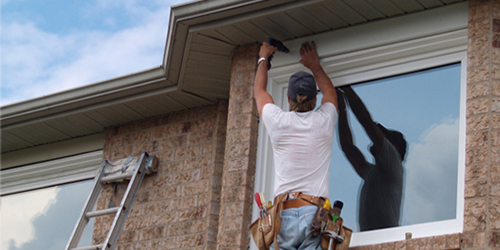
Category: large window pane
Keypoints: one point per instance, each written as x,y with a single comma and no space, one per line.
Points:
425,107
44,219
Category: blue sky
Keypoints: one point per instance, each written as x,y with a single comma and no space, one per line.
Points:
55,45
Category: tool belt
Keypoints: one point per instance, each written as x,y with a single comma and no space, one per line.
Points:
266,228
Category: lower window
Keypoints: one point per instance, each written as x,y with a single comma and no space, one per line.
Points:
44,219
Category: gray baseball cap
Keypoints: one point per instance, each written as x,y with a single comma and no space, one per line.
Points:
302,83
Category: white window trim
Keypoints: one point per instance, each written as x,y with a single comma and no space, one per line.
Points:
50,173
393,58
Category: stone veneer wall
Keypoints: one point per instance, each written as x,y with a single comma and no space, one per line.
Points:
241,153
177,207
482,178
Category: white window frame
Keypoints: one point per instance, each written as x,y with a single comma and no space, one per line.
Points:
50,173
406,44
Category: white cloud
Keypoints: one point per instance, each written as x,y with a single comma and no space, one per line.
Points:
18,212
36,63
431,175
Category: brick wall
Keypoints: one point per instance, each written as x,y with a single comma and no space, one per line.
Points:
482,178
178,207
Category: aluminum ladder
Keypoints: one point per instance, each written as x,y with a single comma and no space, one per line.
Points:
131,168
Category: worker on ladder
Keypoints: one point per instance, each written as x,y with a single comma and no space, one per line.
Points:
302,141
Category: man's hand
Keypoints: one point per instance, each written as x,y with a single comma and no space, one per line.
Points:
266,50
309,55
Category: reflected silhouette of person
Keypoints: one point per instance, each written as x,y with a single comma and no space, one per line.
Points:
382,188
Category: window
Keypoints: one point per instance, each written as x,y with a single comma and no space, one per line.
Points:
417,87
44,219
40,203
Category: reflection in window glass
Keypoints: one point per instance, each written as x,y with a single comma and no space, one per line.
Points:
424,106
44,219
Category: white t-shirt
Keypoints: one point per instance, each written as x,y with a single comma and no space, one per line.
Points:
302,146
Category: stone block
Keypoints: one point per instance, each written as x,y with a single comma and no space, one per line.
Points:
480,89
475,189
239,135
166,193
439,242
189,151
477,122
172,142
184,203
232,239
135,223
495,43
142,197
163,219
237,194
478,139
426,243
478,43
495,171
494,188
238,179
478,74
198,162
113,142
166,243
190,241
474,223
241,121
494,222
235,209
478,106
195,188
476,172
137,137
479,11
158,207
479,27
200,137
121,152
238,149
495,69
193,214
185,177
153,233
478,58
494,239
475,206
476,155
495,155
165,131
453,241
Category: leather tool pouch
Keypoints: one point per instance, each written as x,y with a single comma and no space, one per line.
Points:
341,230
321,217
264,228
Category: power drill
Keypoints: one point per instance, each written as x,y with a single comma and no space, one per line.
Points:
280,47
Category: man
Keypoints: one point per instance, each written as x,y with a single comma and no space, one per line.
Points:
302,141
382,190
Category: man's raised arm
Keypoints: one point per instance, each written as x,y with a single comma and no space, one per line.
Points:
260,84
310,60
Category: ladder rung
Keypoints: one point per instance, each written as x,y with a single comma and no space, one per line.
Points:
102,212
94,247
113,178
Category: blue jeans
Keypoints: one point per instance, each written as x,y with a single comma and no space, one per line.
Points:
295,232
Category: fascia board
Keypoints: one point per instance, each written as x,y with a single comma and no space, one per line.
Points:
85,96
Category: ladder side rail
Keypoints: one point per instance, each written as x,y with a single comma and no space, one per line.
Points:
126,202
89,206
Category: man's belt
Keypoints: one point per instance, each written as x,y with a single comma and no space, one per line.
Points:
298,199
